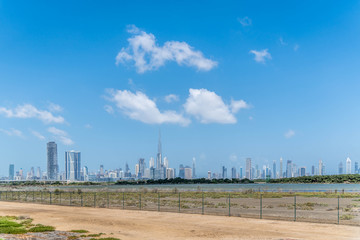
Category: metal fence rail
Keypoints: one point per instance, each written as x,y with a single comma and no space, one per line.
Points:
337,209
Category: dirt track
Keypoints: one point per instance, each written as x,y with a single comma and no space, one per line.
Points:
127,224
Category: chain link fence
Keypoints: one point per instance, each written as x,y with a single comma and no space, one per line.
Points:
309,207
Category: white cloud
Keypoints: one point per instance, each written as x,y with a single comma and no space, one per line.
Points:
12,132
29,111
296,47
261,56
38,135
208,107
139,107
171,98
61,135
109,109
282,42
148,56
55,107
245,21
89,126
289,134
237,105
233,157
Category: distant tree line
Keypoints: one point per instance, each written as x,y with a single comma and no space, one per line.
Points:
344,178
183,181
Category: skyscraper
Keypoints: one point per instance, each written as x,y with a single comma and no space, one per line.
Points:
38,173
281,168
52,161
356,168
320,167
11,171
241,173
187,172
348,165
224,172
248,174
274,169
158,156
341,168
73,165
302,171
194,168
233,172
289,169
151,163
142,167
312,170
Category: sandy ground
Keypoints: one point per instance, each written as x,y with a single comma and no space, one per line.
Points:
131,224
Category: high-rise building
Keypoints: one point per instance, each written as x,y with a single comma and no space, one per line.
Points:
166,162
52,161
151,163
137,169
281,168
224,172
142,167
312,170
38,173
209,175
356,168
193,168
241,173
188,172
321,167
289,169
248,174
11,171
302,171
341,168
274,169
233,172
73,165
348,165
170,173
158,156
181,171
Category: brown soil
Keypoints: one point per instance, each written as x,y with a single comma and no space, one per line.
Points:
131,224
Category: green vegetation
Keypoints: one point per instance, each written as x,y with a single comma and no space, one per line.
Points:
344,178
79,231
41,228
8,225
346,217
184,181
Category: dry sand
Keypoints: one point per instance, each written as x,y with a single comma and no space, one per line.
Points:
131,224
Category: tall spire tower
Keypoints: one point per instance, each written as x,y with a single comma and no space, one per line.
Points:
159,154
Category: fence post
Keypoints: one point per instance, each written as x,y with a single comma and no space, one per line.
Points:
6,196
295,208
338,209
95,200
26,193
202,211
50,198
19,196
70,198
229,206
82,199
41,199
158,202
260,205
0,195
179,201
108,201
33,196
123,200
140,200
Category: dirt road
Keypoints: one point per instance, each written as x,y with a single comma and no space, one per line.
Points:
129,225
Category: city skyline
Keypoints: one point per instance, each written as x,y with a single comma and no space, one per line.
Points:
230,81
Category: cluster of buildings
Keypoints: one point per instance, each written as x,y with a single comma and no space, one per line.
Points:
159,169
289,170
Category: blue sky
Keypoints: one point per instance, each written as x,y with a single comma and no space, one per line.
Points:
223,80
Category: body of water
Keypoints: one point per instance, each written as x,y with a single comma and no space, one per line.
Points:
268,187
